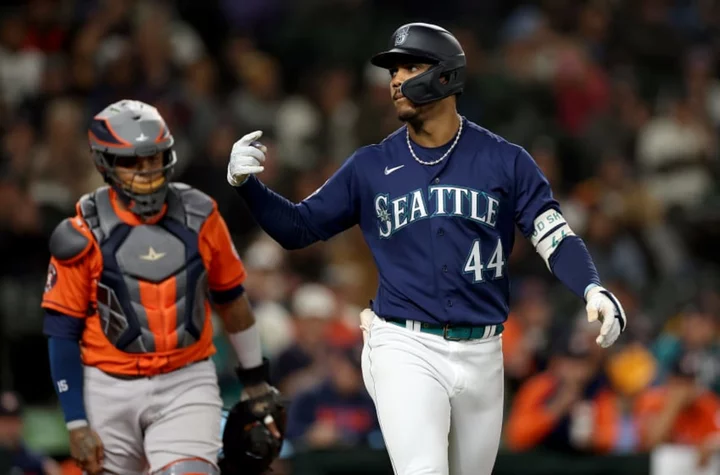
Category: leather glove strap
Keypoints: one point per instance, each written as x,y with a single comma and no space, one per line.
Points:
256,375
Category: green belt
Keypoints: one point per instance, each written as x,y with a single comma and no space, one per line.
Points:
455,333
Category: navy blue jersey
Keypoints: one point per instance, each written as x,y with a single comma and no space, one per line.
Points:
441,235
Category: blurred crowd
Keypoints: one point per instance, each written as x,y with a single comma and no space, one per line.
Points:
618,102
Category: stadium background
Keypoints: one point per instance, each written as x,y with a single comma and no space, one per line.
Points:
617,101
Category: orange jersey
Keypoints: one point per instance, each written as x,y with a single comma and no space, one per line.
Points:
142,286
530,421
692,426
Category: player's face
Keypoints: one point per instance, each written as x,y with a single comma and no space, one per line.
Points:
141,174
406,110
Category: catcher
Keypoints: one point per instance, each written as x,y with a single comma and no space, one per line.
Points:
128,303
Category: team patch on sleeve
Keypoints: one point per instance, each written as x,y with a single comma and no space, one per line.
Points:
549,229
51,279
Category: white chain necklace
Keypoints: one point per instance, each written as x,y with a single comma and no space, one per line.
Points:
434,162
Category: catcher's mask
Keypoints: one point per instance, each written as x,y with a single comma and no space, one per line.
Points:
426,43
122,137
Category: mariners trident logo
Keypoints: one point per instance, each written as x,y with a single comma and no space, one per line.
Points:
401,35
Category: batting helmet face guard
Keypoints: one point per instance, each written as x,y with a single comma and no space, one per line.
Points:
120,135
426,43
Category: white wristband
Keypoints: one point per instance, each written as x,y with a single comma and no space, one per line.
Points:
76,424
247,347
550,228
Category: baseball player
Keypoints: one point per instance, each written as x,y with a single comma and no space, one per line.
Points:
128,314
437,202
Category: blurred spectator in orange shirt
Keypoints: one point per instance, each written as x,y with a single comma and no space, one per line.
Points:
681,411
630,370
525,339
553,409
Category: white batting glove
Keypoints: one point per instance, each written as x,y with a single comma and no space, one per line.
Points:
604,307
246,158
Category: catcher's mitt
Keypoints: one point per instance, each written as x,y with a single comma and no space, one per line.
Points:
248,445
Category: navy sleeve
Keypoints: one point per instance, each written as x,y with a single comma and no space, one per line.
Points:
572,265
330,210
532,192
225,296
66,369
570,262
62,326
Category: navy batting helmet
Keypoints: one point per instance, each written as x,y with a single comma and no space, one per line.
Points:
426,43
119,135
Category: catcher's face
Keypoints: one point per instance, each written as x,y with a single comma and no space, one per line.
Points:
141,175
406,110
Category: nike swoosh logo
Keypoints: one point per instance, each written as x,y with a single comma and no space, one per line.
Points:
390,170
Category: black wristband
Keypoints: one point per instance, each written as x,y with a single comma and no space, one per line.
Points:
256,375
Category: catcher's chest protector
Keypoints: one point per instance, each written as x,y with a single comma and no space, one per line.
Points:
153,275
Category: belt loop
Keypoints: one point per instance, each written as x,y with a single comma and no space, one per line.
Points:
409,324
417,326
493,328
486,333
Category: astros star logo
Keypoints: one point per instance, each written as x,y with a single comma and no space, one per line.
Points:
152,255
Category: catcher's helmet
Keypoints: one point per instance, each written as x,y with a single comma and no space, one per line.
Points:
426,43
124,131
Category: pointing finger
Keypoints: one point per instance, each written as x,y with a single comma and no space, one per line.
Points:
251,137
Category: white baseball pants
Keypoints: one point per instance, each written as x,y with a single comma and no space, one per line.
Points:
439,402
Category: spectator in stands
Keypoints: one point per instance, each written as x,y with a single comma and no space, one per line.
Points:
630,371
617,253
698,333
553,409
526,335
20,67
681,411
338,412
302,365
675,151
11,439
581,85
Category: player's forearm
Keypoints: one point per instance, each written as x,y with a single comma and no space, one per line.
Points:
277,216
239,322
67,375
64,333
572,264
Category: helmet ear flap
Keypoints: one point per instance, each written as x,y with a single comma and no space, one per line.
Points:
101,164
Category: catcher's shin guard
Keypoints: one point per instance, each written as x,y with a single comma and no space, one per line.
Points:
193,466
